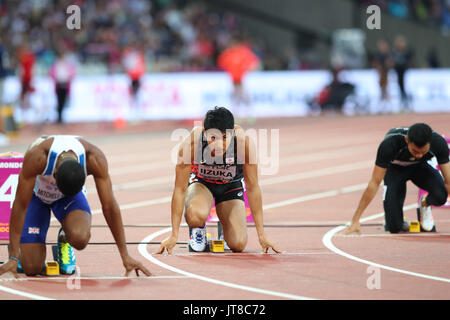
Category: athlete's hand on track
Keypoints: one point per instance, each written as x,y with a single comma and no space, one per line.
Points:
354,227
266,244
168,245
130,264
9,266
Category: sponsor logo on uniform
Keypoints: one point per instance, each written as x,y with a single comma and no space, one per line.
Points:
229,160
240,194
403,163
47,194
226,172
33,230
65,208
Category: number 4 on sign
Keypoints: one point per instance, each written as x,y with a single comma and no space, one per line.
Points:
10,183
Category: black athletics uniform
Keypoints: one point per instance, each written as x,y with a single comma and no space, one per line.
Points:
223,179
393,154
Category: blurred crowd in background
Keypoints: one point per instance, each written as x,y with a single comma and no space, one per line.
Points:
169,36
144,36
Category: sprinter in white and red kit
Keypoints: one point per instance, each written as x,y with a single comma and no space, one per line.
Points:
212,163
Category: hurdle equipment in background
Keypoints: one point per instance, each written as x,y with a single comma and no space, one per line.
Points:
434,164
10,165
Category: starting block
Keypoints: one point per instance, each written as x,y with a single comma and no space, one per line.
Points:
52,268
212,245
414,226
216,246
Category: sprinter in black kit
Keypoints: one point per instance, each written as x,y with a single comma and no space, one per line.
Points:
403,155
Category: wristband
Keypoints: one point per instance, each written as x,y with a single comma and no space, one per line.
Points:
14,258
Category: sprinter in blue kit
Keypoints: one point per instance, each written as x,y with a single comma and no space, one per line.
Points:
52,179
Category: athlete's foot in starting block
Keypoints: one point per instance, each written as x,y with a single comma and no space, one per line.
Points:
225,246
197,239
66,255
425,216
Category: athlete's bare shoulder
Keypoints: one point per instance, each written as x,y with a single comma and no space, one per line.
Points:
96,163
35,158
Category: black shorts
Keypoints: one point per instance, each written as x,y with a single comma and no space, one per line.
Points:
222,192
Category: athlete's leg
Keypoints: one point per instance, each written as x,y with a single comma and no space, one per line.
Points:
394,194
429,179
198,204
231,214
77,228
74,215
32,258
32,241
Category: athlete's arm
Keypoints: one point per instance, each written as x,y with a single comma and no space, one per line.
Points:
97,165
253,190
378,174
33,163
182,172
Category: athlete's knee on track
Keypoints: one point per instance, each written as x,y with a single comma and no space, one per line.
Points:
394,229
394,226
237,244
439,196
32,269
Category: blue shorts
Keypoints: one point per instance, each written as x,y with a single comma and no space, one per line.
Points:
37,219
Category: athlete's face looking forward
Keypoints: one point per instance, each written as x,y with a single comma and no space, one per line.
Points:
218,141
417,152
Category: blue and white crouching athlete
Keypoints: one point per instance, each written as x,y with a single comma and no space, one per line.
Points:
52,178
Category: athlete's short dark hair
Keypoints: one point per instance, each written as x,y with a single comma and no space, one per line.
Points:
219,118
70,177
420,134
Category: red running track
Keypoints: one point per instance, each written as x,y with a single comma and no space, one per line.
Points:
324,165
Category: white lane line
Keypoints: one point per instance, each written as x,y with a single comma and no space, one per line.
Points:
327,241
315,196
143,251
399,235
45,278
251,254
318,173
24,294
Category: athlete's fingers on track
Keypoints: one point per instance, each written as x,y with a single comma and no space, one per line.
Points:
144,270
160,250
276,249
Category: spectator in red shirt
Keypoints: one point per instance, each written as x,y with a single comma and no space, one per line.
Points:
133,61
26,60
